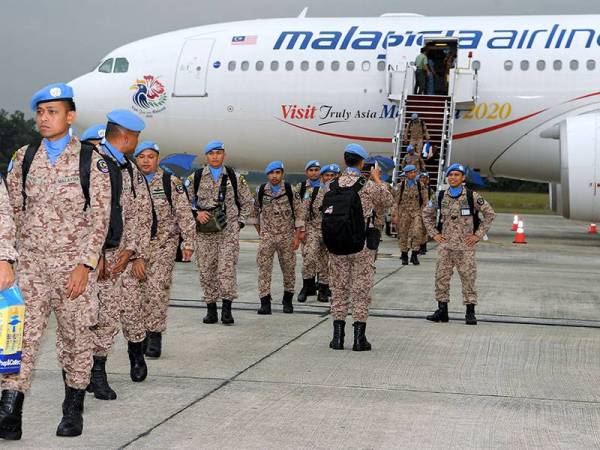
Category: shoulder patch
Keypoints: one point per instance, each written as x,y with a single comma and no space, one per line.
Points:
480,201
297,195
102,166
140,178
243,180
430,204
179,188
11,165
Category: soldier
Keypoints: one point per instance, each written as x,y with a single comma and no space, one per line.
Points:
223,202
126,246
62,219
458,230
94,134
352,273
416,134
174,218
410,197
308,191
280,225
423,178
8,254
413,159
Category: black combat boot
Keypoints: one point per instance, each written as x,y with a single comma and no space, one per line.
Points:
153,348
423,249
139,370
211,313
308,288
226,317
11,412
441,314
323,293
72,421
404,258
337,343
470,318
265,306
99,382
288,308
360,340
414,259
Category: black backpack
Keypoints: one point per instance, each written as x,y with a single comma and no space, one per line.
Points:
470,200
230,173
288,192
343,227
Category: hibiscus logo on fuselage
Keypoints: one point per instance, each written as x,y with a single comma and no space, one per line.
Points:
150,95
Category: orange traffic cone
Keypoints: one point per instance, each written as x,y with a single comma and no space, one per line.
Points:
515,224
520,235
592,229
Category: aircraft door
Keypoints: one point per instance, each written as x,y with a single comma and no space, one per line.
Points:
192,68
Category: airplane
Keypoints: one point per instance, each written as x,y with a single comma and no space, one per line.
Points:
302,88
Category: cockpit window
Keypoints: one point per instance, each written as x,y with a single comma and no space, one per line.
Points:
121,65
106,66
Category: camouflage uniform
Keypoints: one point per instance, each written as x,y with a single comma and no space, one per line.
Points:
408,211
217,253
7,227
54,235
277,228
315,257
415,159
352,275
161,258
455,252
120,301
416,134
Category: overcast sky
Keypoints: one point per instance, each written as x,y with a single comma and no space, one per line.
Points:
44,41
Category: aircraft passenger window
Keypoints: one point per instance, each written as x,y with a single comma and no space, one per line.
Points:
106,66
335,66
350,66
508,65
381,66
289,65
541,65
574,64
476,65
320,65
524,65
231,66
557,64
304,65
274,65
591,64
245,65
259,65
366,66
121,65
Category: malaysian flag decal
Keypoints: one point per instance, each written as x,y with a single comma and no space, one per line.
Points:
244,40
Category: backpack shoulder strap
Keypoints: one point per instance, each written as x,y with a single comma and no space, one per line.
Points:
439,207
85,167
234,185
261,194
356,187
26,165
197,179
302,190
474,214
154,226
166,181
129,168
290,195
402,186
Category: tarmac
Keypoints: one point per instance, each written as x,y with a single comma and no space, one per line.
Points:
526,376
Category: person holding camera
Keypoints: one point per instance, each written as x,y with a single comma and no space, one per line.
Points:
222,202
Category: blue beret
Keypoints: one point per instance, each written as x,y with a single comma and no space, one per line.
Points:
273,165
356,149
410,148
126,119
146,145
312,163
328,168
414,116
456,167
94,132
336,168
409,168
214,145
50,93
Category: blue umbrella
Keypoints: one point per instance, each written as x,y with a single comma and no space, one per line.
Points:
179,163
474,177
